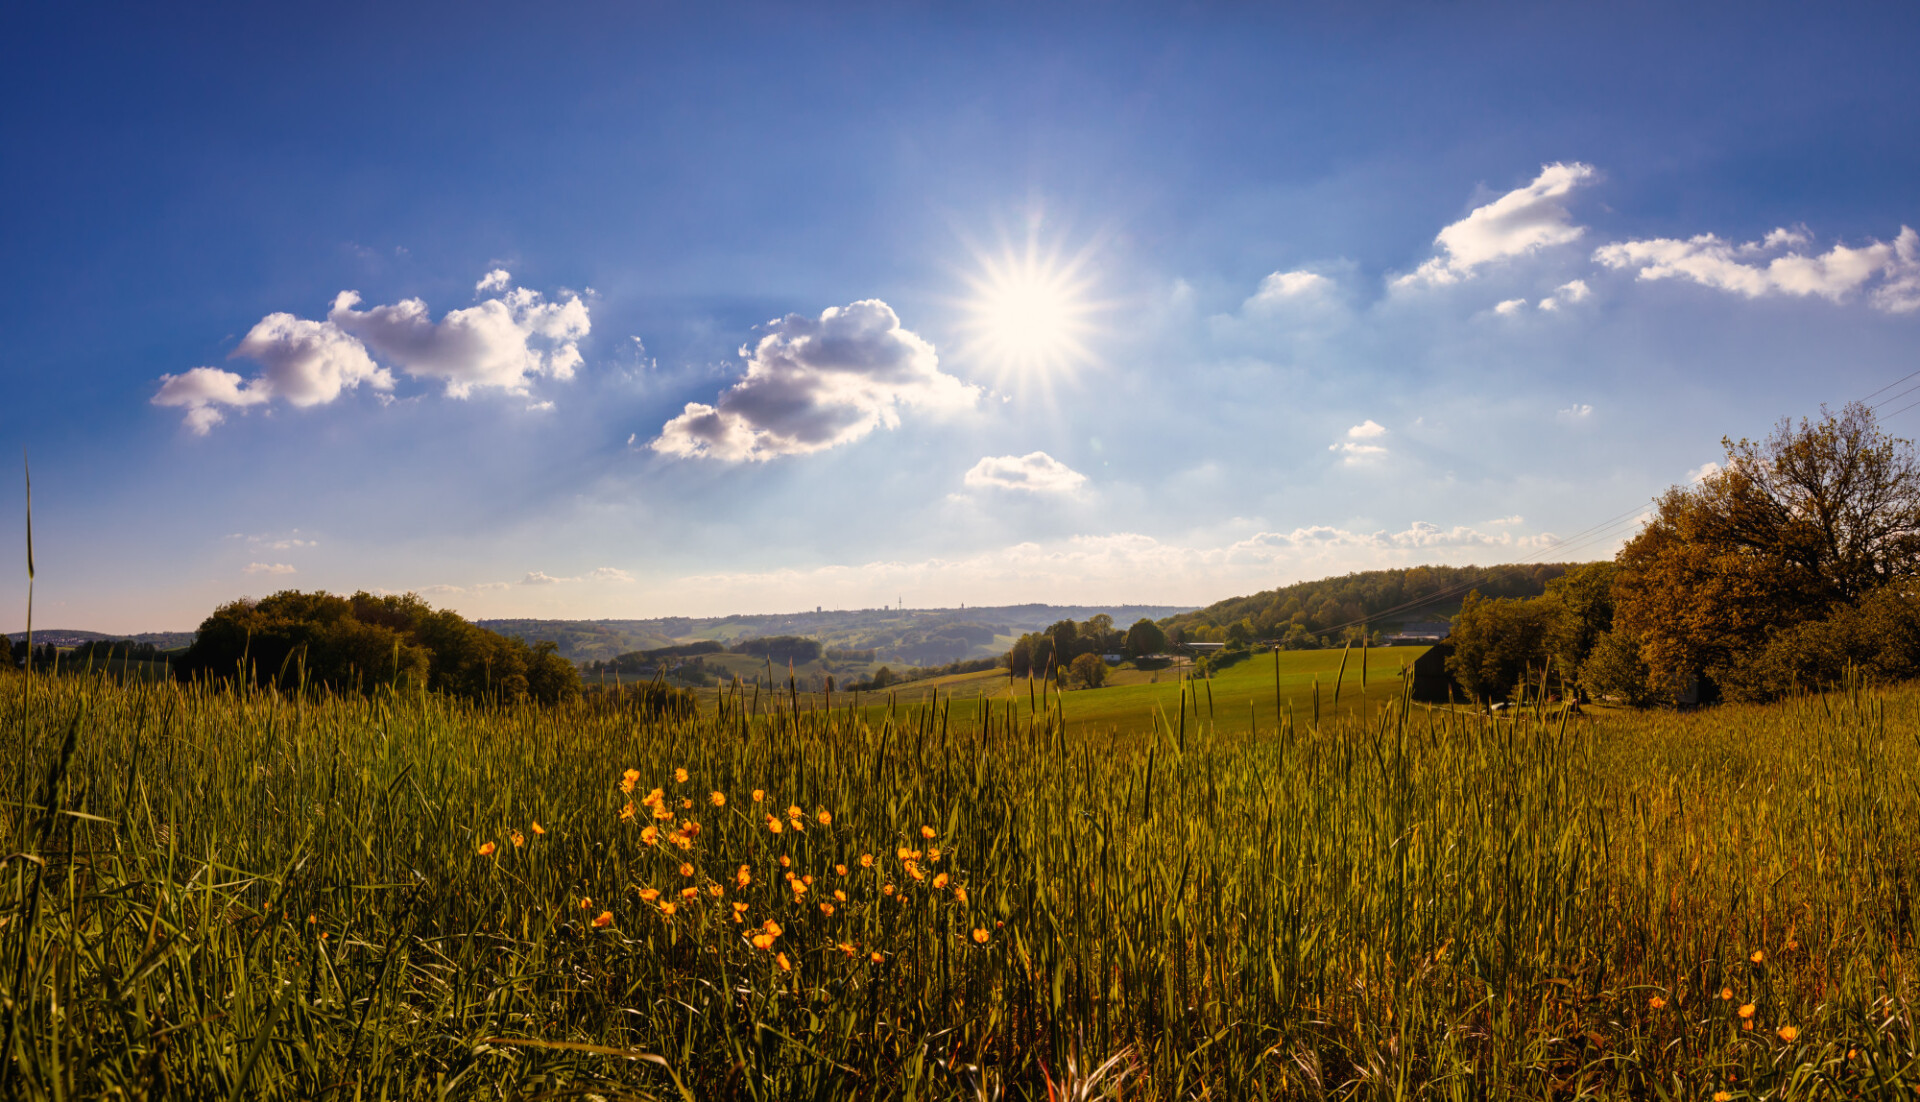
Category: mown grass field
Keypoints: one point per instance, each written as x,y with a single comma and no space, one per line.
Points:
217,896
1248,695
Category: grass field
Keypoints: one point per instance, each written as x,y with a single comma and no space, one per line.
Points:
219,896
1248,695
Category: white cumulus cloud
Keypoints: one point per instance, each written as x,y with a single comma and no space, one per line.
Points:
1035,472
501,342
1354,449
1704,471
1519,222
267,568
1779,264
497,280
1566,295
1510,307
1285,287
817,383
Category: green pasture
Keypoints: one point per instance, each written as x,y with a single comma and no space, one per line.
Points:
1249,695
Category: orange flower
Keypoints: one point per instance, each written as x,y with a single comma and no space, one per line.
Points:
808,879
933,855
648,895
840,870
876,958
605,918
626,812
785,861
826,908
979,936
904,854
1726,994
1657,1002
743,877
758,795
487,848
846,947
781,960
940,881
1722,1096
771,928
653,798
825,818
716,890
960,895
689,892
651,836
739,907
1746,1010
585,903
1748,1026
928,833
661,814
888,890
799,887
686,869
685,803
763,941
628,779
1788,1032
773,825
719,799
668,909
537,828
866,860
680,776
517,838
1757,957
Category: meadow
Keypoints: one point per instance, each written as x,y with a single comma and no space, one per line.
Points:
211,894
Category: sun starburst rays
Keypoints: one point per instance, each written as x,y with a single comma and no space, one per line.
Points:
1029,316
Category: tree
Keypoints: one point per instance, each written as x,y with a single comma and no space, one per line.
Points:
1145,638
1064,636
1582,599
1090,670
1790,530
1499,645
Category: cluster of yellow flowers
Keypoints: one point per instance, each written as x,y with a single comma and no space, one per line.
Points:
915,864
488,848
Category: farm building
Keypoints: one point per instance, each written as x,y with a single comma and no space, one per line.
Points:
1431,681
1419,634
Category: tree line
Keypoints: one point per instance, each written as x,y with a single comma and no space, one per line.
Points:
358,643
1793,563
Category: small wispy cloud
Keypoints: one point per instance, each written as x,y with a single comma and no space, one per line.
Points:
1579,411
1035,472
267,568
1355,449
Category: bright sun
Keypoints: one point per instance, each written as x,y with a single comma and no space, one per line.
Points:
1029,314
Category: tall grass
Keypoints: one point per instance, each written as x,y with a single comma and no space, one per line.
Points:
220,895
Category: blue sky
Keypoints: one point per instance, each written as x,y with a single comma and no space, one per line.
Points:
658,309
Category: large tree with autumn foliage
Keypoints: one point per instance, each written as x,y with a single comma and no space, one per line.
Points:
1788,533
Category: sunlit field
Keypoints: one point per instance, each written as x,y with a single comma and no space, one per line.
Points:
218,896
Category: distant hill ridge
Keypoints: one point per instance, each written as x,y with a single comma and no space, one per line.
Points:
1384,599
70,637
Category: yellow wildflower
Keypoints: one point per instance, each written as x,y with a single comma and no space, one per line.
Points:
626,812
773,825
888,890
537,828
605,918
685,803
719,799
826,908
940,881
763,941
785,861
716,890
928,833
668,909
651,836
1722,1096
781,960
1657,1002
1746,1010
875,957
771,928
825,818
628,779
648,895
799,887
686,869
585,903
739,907
680,776
840,870
979,936
866,860
517,838
662,813
1788,1032
1726,994
960,895
743,877
758,795
840,895
1757,957
846,947
487,848
689,892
